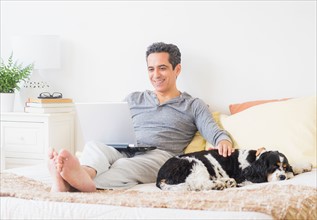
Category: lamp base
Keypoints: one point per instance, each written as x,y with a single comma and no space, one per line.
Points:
32,89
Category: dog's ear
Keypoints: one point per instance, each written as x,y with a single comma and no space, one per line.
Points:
289,168
256,172
289,172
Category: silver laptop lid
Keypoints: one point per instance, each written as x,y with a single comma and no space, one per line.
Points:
106,122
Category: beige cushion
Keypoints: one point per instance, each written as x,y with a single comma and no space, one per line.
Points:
288,126
199,143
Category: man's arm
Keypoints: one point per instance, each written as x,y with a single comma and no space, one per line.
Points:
210,129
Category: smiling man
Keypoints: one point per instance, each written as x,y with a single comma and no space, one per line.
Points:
163,72
164,117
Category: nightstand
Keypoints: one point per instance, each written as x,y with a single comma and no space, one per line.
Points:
27,137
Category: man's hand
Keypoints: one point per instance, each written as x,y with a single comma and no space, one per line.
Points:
224,148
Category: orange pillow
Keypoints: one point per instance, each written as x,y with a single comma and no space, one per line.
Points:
235,108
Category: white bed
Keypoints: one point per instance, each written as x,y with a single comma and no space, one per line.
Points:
17,208
293,120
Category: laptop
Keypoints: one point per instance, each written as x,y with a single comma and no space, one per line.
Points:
109,123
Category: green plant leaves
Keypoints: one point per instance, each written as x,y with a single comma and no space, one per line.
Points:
12,73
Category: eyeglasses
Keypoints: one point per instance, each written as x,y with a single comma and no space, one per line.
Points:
47,95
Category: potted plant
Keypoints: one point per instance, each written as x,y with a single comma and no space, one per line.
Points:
11,75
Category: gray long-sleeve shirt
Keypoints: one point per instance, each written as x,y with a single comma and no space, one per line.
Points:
172,125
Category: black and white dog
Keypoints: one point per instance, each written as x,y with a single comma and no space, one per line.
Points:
207,170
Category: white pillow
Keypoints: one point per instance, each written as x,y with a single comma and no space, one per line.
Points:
288,126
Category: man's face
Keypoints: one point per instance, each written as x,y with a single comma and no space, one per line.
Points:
161,73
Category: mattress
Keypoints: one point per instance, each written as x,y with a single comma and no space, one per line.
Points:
18,208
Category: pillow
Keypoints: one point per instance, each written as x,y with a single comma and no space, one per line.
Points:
235,108
199,143
219,117
288,126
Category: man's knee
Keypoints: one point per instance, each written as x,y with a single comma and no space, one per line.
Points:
94,144
122,163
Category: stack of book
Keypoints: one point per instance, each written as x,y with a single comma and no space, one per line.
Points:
35,105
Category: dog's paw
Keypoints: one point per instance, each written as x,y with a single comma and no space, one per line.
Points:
218,185
163,185
230,183
223,183
299,168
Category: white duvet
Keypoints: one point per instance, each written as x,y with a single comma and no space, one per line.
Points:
13,208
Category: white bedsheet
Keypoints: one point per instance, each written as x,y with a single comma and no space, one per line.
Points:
13,208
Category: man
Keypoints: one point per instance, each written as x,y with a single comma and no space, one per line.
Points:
165,117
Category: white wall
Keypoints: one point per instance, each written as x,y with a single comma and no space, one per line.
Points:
232,51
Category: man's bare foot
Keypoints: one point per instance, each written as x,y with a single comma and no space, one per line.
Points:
59,184
73,173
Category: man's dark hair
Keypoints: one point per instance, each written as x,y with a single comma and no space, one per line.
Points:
171,49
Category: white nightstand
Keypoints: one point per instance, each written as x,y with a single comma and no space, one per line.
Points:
26,137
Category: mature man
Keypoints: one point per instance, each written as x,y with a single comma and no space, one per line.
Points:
164,117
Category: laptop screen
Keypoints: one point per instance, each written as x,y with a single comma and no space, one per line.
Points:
106,122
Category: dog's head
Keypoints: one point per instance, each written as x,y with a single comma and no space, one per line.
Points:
278,167
269,166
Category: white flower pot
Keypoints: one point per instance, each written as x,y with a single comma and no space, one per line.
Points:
7,102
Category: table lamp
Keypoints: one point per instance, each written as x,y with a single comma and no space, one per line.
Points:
41,50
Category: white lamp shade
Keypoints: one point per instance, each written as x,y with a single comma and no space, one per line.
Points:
42,50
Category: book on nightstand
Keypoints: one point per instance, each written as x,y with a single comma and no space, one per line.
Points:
58,105
59,100
30,109
50,105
